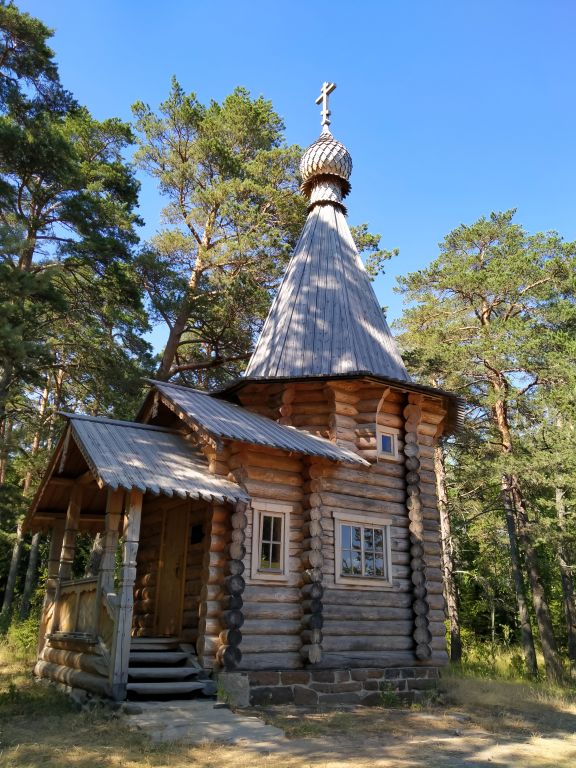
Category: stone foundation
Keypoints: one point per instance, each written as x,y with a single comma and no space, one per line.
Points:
316,687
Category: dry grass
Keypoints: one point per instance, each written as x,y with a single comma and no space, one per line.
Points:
480,723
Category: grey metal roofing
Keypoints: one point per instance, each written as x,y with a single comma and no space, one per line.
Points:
226,420
124,454
326,319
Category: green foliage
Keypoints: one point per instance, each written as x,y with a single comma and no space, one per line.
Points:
21,637
232,215
492,318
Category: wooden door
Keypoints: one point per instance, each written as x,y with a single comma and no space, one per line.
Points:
172,571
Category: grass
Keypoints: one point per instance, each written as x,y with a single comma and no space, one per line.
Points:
473,722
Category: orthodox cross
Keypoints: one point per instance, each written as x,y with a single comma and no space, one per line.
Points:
325,91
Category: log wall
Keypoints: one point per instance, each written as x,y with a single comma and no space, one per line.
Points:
272,609
348,625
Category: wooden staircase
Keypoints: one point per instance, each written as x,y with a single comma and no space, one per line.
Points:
165,668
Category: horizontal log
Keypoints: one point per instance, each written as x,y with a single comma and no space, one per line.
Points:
365,491
364,598
361,613
258,661
268,475
75,678
271,627
266,459
358,628
271,643
333,643
347,502
272,491
271,593
370,659
271,611
88,662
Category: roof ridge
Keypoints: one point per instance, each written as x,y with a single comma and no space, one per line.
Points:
118,422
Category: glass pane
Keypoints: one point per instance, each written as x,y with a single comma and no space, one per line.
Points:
357,538
346,537
378,539
277,528
369,565
265,556
379,570
266,527
386,444
346,563
275,559
356,563
369,538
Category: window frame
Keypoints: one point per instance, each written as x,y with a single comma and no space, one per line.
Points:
394,434
369,521
259,511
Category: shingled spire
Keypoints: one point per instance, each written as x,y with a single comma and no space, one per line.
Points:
326,320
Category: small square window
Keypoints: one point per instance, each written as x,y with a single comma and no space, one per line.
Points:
387,443
270,525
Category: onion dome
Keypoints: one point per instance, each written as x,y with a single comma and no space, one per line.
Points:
326,165
326,157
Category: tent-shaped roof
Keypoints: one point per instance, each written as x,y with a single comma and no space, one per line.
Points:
226,420
326,319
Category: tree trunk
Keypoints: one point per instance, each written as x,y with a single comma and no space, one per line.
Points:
31,573
523,615
13,572
566,578
93,564
554,671
450,591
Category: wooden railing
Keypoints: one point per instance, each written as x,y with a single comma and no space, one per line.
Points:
77,610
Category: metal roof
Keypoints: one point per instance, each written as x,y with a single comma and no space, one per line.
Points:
123,454
226,420
326,319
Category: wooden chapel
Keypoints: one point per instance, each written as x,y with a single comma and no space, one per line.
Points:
285,528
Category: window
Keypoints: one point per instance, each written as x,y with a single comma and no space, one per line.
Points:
270,526
387,443
362,550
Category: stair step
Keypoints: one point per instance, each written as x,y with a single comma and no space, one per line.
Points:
171,673
165,642
155,646
157,657
164,688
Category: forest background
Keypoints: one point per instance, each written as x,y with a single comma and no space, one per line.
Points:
492,318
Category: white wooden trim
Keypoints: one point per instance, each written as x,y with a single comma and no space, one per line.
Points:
260,508
363,582
394,434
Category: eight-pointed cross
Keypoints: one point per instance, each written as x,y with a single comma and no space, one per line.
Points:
325,91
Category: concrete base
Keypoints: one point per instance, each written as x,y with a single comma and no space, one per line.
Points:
369,687
233,688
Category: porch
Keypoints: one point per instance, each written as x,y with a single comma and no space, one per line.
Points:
143,618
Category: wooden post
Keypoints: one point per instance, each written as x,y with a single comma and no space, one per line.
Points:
51,578
123,629
67,551
114,502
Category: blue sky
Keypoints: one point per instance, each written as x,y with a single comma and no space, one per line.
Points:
449,109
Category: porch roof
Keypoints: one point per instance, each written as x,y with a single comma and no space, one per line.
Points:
124,454
226,420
